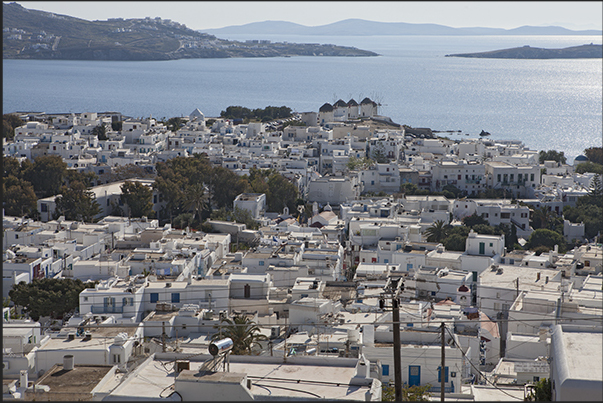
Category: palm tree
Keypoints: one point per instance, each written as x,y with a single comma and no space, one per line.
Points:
195,198
437,232
243,332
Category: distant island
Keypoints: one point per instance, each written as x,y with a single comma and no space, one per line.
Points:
359,27
34,34
526,52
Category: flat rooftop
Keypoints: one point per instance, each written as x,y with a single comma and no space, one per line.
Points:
74,385
527,278
297,378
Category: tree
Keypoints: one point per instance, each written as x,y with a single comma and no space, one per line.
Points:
10,122
77,203
355,163
551,155
413,393
594,154
546,237
48,296
117,125
225,185
281,193
474,219
589,166
138,198
378,154
174,123
452,192
12,167
245,334
542,391
19,198
128,171
242,216
196,198
46,175
100,131
436,232
455,242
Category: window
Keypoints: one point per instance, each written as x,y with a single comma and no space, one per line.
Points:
408,266
44,207
531,177
498,177
261,263
536,378
385,370
154,297
440,374
175,297
409,325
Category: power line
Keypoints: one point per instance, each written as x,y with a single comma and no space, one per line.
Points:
480,372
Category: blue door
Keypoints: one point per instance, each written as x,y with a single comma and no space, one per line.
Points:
414,375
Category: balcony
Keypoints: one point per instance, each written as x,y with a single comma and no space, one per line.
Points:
107,309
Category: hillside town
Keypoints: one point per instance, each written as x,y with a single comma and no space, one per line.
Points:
352,293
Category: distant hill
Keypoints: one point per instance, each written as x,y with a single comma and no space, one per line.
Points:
359,27
34,34
526,52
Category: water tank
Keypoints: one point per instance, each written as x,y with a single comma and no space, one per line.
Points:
353,335
220,346
68,362
311,351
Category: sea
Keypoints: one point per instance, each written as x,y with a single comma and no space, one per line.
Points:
546,104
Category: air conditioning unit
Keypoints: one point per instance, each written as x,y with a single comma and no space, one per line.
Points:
5,365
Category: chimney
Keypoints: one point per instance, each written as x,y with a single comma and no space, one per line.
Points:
23,378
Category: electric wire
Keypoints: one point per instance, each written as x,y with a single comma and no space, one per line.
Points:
477,369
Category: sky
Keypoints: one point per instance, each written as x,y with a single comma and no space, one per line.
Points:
199,15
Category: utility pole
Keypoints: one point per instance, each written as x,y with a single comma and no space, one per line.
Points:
397,363
163,337
392,290
443,363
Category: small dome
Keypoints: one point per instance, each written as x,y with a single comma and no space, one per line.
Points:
463,288
328,207
581,158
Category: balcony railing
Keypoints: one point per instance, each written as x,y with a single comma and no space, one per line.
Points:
107,309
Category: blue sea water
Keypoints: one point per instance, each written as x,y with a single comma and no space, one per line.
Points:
547,104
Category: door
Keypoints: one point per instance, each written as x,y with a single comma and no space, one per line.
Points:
414,375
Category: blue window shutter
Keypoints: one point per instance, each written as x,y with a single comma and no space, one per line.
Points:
445,374
385,370
175,297
154,297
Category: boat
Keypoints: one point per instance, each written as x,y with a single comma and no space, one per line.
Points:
483,133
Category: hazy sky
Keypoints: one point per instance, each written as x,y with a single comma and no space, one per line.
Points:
200,15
